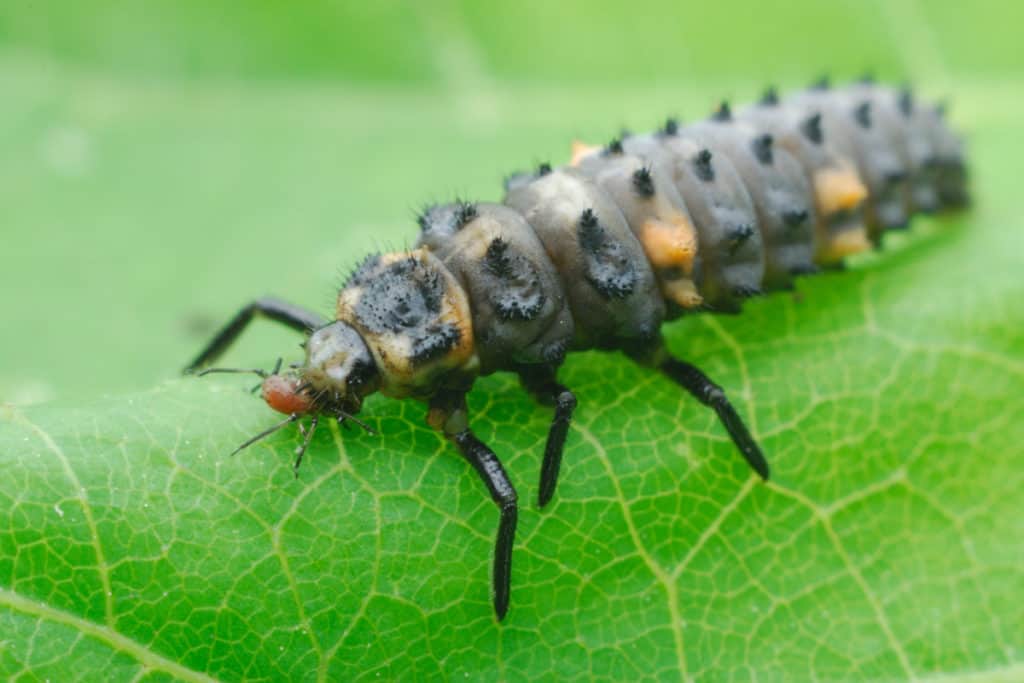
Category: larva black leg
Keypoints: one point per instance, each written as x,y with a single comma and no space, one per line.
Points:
707,392
293,316
448,413
541,383
487,465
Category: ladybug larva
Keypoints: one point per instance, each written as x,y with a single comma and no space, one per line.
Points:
598,254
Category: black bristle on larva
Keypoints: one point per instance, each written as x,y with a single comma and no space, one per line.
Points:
762,147
513,306
590,233
434,343
543,169
770,98
702,166
359,273
643,183
824,82
423,216
607,268
862,114
745,292
519,297
905,101
867,78
738,236
671,126
811,128
625,134
465,213
588,219
794,218
723,114
496,260
613,147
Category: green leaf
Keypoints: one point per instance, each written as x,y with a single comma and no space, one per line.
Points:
888,546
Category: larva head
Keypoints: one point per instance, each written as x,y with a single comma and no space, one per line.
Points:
338,373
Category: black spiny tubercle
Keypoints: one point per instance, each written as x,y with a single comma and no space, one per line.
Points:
762,146
643,182
589,257
702,165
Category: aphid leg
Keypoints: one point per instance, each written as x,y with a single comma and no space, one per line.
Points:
541,383
448,414
308,434
710,394
293,316
267,432
244,371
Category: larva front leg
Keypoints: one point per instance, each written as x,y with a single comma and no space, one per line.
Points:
295,317
449,415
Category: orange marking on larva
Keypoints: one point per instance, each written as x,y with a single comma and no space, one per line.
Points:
683,292
281,394
838,190
671,243
581,150
846,243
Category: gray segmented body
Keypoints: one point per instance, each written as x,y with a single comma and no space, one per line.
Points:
753,189
599,253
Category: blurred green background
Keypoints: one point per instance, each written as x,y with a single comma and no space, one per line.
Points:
163,162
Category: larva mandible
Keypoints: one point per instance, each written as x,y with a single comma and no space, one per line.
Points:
597,254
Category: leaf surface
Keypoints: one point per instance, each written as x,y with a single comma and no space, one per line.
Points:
889,544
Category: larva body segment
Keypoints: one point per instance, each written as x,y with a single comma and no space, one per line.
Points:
520,311
779,191
416,320
951,164
911,143
730,247
609,283
656,214
597,255
835,185
848,124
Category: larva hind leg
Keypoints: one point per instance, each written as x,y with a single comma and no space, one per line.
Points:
295,317
540,381
701,387
448,414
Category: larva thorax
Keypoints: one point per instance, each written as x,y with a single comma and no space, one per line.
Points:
520,312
